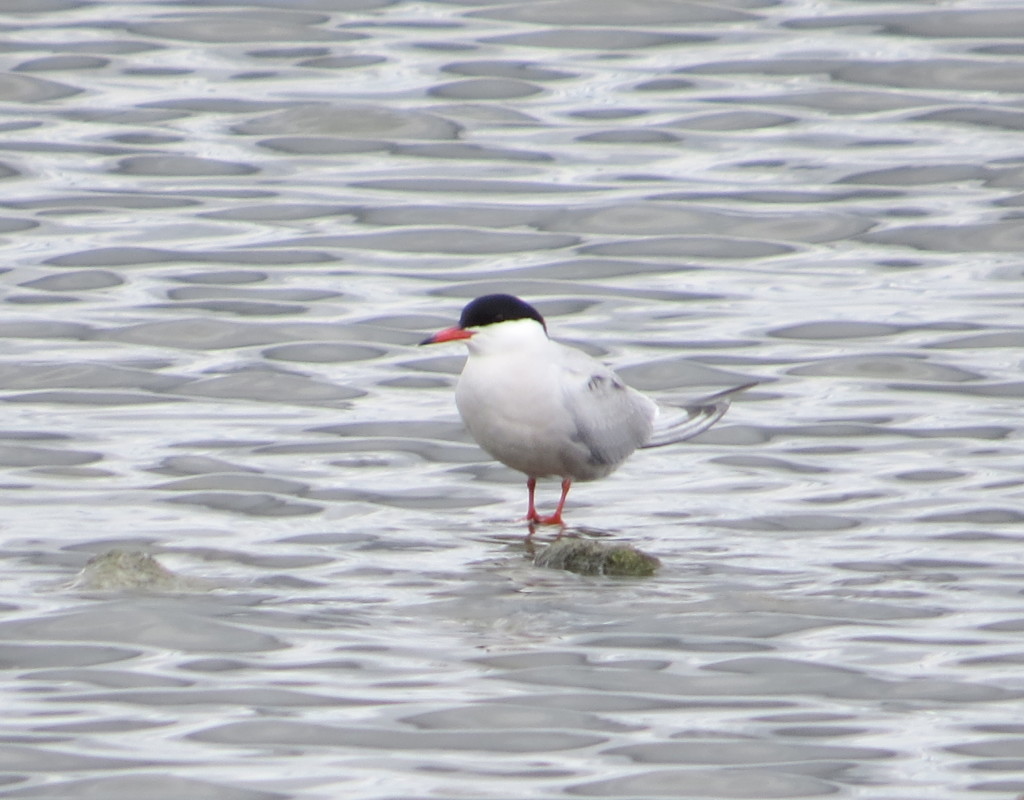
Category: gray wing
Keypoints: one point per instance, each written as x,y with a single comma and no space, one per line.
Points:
687,421
611,419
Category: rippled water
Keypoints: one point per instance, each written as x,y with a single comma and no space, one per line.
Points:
226,225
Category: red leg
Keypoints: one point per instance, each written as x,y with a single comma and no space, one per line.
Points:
556,518
531,511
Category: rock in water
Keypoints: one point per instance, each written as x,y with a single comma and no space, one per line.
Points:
588,557
129,570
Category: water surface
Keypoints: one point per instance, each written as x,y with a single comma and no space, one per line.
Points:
225,226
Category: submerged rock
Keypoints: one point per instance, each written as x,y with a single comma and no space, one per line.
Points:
588,557
118,570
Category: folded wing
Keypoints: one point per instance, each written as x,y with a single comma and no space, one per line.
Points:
610,419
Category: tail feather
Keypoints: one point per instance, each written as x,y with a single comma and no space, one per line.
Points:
696,417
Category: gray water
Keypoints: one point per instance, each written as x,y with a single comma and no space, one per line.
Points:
226,225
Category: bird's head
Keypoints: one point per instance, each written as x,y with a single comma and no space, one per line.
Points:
483,313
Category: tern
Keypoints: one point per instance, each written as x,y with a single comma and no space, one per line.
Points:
548,410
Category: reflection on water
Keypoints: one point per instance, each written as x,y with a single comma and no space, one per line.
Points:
225,225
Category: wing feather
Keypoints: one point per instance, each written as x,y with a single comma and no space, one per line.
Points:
687,421
611,419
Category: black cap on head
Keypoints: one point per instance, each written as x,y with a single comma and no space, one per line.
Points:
492,308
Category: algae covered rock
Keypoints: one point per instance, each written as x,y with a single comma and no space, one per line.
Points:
587,557
119,570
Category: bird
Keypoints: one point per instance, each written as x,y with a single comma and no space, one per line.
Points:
549,410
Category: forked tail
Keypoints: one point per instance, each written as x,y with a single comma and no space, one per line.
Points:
687,421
